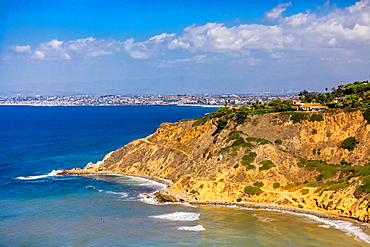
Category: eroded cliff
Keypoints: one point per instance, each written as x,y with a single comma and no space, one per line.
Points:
267,159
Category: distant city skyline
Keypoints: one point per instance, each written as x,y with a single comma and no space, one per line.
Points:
170,47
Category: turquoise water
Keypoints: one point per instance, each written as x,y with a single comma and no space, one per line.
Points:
40,209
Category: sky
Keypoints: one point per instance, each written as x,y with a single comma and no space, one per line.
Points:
66,47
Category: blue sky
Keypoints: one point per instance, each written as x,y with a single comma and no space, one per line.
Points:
169,47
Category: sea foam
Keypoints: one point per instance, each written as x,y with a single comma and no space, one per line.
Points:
50,174
197,228
345,226
178,216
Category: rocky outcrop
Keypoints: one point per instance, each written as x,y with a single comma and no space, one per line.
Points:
206,163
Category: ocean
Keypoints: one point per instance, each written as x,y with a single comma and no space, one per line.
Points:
39,208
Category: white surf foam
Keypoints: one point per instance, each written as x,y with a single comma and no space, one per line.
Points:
345,226
197,228
178,216
50,174
122,194
148,183
148,199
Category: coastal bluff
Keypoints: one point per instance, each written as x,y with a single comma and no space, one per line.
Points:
268,159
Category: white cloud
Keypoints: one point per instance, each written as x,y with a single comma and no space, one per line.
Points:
72,49
152,47
276,12
39,55
22,49
347,28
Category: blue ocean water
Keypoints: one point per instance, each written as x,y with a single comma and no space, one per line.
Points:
39,209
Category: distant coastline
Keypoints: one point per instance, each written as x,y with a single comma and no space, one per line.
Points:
118,100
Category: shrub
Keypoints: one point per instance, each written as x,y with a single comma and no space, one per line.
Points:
314,131
279,142
276,185
258,184
267,164
260,140
252,190
202,120
247,159
298,116
364,188
254,122
366,114
222,122
304,191
233,154
349,143
194,192
236,166
345,163
316,117
233,135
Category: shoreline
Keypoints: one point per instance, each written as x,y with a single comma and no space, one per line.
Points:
365,227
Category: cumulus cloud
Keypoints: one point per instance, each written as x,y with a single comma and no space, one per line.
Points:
276,12
155,46
346,28
72,49
22,49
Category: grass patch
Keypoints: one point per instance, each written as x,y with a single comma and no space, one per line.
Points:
266,164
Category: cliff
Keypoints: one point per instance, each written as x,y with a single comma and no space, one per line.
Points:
267,159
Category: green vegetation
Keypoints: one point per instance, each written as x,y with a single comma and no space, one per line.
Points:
258,184
252,190
276,185
221,122
349,143
254,122
233,154
266,164
248,159
314,131
351,96
238,141
316,117
279,142
366,115
304,191
298,116
343,173
259,140
194,192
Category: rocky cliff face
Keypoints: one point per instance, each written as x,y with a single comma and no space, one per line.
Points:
258,161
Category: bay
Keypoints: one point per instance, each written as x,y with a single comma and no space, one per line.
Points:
113,210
